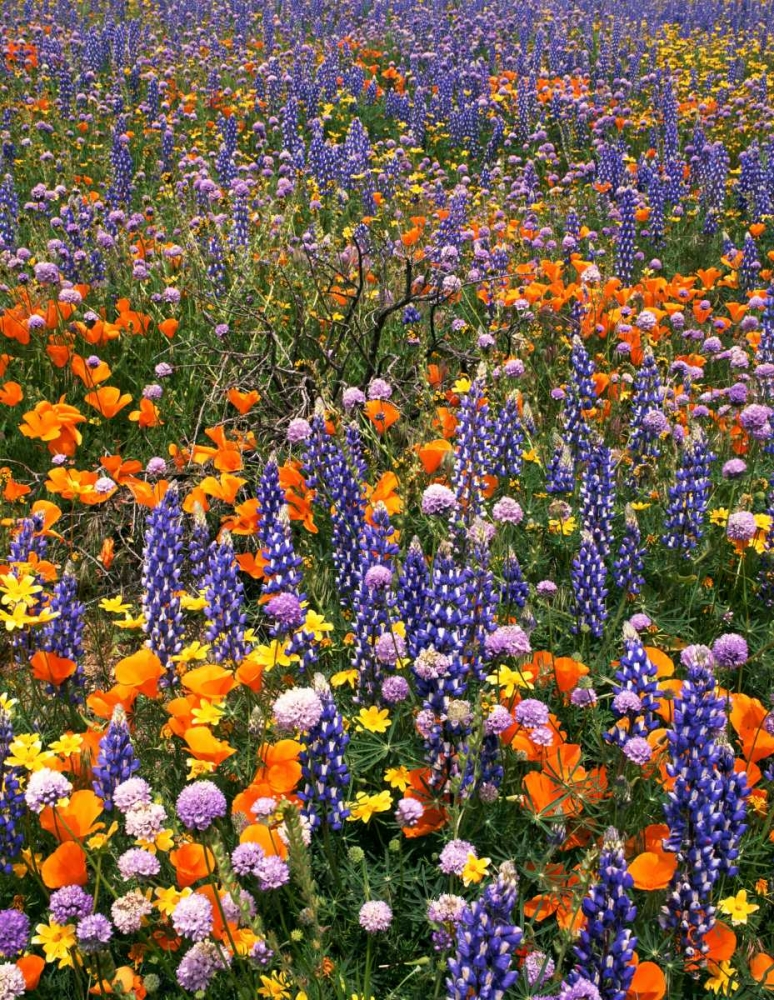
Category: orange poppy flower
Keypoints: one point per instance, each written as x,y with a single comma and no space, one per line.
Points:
252,563
56,424
762,970
243,401
648,983
107,552
11,394
278,776
434,816
432,454
653,870
269,840
75,820
382,414
560,900
89,376
140,671
147,416
747,717
126,982
31,967
50,668
169,327
224,488
102,703
66,866
191,863
108,400
250,674
210,681
13,491
297,495
204,746
147,494
384,492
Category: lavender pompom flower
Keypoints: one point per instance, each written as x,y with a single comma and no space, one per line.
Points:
200,964
192,917
12,982
70,902
200,804
129,911
730,650
299,708
375,916
454,856
438,499
14,933
272,872
130,793
246,857
93,932
138,863
741,526
507,640
46,788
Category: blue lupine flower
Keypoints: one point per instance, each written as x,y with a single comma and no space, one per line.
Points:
323,767
481,965
606,944
116,760
225,593
161,580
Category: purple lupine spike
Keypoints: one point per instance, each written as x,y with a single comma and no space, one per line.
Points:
116,760
634,691
481,965
282,572
337,489
630,560
714,186
589,587
580,397
161,580
507,442
374,601
750,266
481,596
606,944
625,240
12,804
705,808
514,590
597,498
411,596
472,452
225,595
689,496
63,635
323,767
198,548
647,399
560,471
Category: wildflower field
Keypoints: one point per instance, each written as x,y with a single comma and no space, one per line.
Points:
386,499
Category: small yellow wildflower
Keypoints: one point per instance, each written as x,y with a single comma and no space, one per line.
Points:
115,605
56,940
67,744
193,651
190,603
398,777
723,979
129,623
374,719
19,591
197,768
7,703
508,680
273,655
275,986
207,714
98,841
27,751
317,625
344,677
563,527
719,516
475,869
167,899
365,805
461,386
737,907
